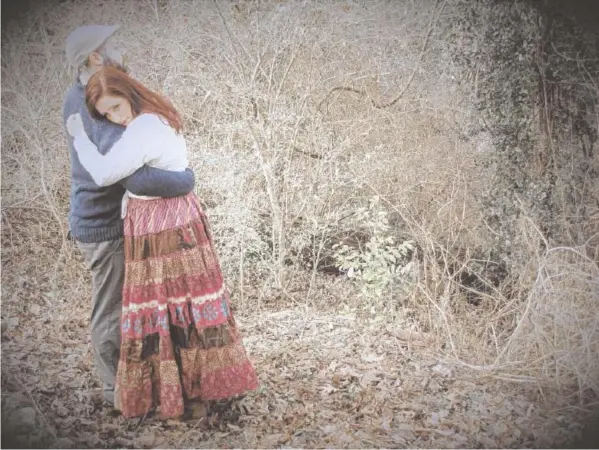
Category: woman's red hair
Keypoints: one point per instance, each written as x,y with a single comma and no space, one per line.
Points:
111,81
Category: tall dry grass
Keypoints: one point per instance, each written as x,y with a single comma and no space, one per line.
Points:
296,114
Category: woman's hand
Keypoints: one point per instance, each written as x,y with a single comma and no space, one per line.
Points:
75,125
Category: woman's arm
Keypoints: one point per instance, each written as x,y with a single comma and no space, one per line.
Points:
139,144
147,180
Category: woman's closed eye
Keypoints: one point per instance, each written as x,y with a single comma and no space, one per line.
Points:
112,110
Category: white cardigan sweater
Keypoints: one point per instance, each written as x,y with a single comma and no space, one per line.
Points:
148,139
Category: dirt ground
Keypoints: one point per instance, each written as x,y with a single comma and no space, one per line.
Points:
326,380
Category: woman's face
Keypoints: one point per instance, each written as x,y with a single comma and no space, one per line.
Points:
115,109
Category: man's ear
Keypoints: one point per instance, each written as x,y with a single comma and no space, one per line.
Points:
95,59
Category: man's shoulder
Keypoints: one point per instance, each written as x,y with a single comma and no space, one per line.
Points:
74,102
74,99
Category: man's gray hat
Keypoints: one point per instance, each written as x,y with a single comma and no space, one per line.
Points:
85,40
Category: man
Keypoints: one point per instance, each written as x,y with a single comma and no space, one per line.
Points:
95,215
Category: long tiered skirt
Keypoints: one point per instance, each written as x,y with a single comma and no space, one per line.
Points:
179,338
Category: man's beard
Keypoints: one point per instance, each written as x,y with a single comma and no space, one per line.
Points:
109,62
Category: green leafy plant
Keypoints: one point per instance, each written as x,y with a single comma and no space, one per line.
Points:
382,260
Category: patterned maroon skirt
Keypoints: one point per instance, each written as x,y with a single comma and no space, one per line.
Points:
179,338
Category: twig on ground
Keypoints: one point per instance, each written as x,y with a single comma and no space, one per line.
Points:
37,407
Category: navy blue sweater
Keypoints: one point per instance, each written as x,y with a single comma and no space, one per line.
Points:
95,213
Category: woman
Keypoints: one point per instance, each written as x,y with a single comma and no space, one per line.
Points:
179,338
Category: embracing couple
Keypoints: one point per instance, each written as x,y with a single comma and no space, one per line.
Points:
162,329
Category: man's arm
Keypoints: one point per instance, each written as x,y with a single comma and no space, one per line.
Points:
159,182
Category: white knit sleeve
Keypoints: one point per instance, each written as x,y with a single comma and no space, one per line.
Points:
141,143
